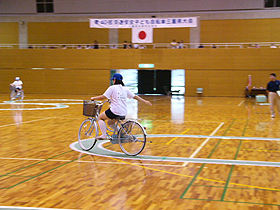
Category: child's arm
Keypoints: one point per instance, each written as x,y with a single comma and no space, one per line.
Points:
101,97
138,98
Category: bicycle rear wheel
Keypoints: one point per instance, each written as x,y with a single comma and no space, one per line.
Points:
132,138
87,134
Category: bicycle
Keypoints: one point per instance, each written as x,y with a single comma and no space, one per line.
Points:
16,94
129,134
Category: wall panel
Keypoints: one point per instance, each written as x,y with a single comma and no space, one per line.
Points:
221,72
124,35
57,82
224,82
230,31
8,33
65,33
166,35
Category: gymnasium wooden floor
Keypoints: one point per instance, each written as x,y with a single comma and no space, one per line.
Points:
39,169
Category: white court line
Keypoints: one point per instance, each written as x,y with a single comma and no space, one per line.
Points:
87,161
203,144
31,208
2,126
241,103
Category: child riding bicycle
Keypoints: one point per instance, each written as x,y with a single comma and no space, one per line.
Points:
16,88
117,94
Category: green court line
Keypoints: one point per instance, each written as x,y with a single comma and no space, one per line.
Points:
227,182
31,177
267,204
236,188
192,181
71,161
28,166
108,145
203,165
235,157
220,140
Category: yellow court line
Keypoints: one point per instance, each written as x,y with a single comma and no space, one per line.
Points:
201,178
177,137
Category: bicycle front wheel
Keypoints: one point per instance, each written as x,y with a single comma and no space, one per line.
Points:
87,133
132,138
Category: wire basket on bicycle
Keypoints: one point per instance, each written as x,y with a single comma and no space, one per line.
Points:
91,108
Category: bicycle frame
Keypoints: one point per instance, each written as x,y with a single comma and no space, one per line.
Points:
118,122
125,131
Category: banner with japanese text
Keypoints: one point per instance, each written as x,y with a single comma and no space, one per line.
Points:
144,22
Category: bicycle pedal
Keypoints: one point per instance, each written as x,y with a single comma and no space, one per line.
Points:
114,141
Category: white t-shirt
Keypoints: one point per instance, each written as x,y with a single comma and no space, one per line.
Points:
18,84
118,95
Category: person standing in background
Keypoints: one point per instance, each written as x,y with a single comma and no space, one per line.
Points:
272,88
125,45
130,46
95,45
173,44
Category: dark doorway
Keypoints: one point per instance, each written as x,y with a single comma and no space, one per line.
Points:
154,81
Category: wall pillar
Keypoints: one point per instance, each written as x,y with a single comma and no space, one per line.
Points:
113,36
23,34
195,34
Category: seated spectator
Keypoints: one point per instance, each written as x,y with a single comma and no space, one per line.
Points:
30,47
63,47
88,47
201,46
181,44
130,46
125,45
95,45
114,47
251,46
257,46
214,46
173,44
141,47
273,46
136,46
79,47
52,47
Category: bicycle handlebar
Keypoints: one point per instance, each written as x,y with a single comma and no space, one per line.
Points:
101,102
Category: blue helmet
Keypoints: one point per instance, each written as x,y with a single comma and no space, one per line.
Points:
117,76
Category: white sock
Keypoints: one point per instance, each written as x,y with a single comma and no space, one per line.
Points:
102,126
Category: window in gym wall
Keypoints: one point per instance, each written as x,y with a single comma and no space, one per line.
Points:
44,6
130,78
178,81
272,3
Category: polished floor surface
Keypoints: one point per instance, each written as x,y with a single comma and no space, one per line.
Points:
206,153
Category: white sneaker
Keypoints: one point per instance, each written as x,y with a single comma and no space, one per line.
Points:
273,116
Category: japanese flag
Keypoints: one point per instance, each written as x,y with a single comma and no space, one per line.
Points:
142,35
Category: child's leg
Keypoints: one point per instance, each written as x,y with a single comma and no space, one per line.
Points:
271,102
112,124
101,121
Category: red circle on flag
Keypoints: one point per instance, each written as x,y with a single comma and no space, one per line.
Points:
142,35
